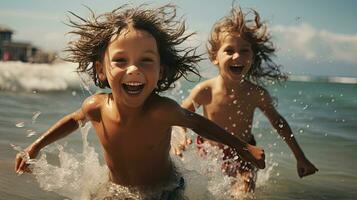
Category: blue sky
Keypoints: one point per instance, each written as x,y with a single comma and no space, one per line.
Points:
313,37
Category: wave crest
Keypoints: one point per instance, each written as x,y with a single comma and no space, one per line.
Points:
18,76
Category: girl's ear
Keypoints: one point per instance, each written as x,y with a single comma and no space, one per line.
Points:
99,68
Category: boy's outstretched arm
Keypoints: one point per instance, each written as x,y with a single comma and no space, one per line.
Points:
62,128
304,166
178,116
199,95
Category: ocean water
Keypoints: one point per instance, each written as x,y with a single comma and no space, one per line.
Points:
321,113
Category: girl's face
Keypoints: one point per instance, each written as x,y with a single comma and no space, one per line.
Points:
234,58
132,66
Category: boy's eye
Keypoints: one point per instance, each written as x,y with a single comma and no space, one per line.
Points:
229,51
119,61
147,61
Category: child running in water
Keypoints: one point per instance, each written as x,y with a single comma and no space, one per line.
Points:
242,50
133,51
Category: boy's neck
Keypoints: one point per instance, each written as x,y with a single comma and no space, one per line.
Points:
231,86
123,111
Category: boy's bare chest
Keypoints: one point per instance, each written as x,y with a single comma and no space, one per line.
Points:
233,105
131,137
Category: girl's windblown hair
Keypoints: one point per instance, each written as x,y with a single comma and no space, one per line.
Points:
96,31
255,32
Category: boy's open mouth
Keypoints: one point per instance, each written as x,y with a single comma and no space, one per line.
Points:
133,87
237,69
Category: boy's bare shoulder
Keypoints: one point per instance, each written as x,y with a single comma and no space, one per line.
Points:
259,95
202,92
92,104
161,104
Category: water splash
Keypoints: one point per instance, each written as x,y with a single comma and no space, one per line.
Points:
81,176
204,176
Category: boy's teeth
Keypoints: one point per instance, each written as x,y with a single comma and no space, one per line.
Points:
133,87
134,83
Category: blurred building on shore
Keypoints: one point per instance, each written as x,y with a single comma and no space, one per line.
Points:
21,51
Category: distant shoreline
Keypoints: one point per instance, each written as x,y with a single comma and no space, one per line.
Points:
323,79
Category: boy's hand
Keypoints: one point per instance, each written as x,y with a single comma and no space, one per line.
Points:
177,150
255,155
305,168
22,157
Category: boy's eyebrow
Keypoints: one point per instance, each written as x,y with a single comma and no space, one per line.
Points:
122,51
150,51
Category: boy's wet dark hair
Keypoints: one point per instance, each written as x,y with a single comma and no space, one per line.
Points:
254,31
96,32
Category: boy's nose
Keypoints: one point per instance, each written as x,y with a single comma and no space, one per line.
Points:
235,56
133,70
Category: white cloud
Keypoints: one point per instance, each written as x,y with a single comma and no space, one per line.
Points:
311,43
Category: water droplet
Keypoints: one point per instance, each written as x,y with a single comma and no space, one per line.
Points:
301,131
325,134
74,93
305,107
35,116
20,124
278,174
16,148
235,102
30,133
332,100
307,125
281,125
294,100
300,92
292,135
234,125
230,118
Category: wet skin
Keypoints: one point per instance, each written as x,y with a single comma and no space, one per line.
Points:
132,123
